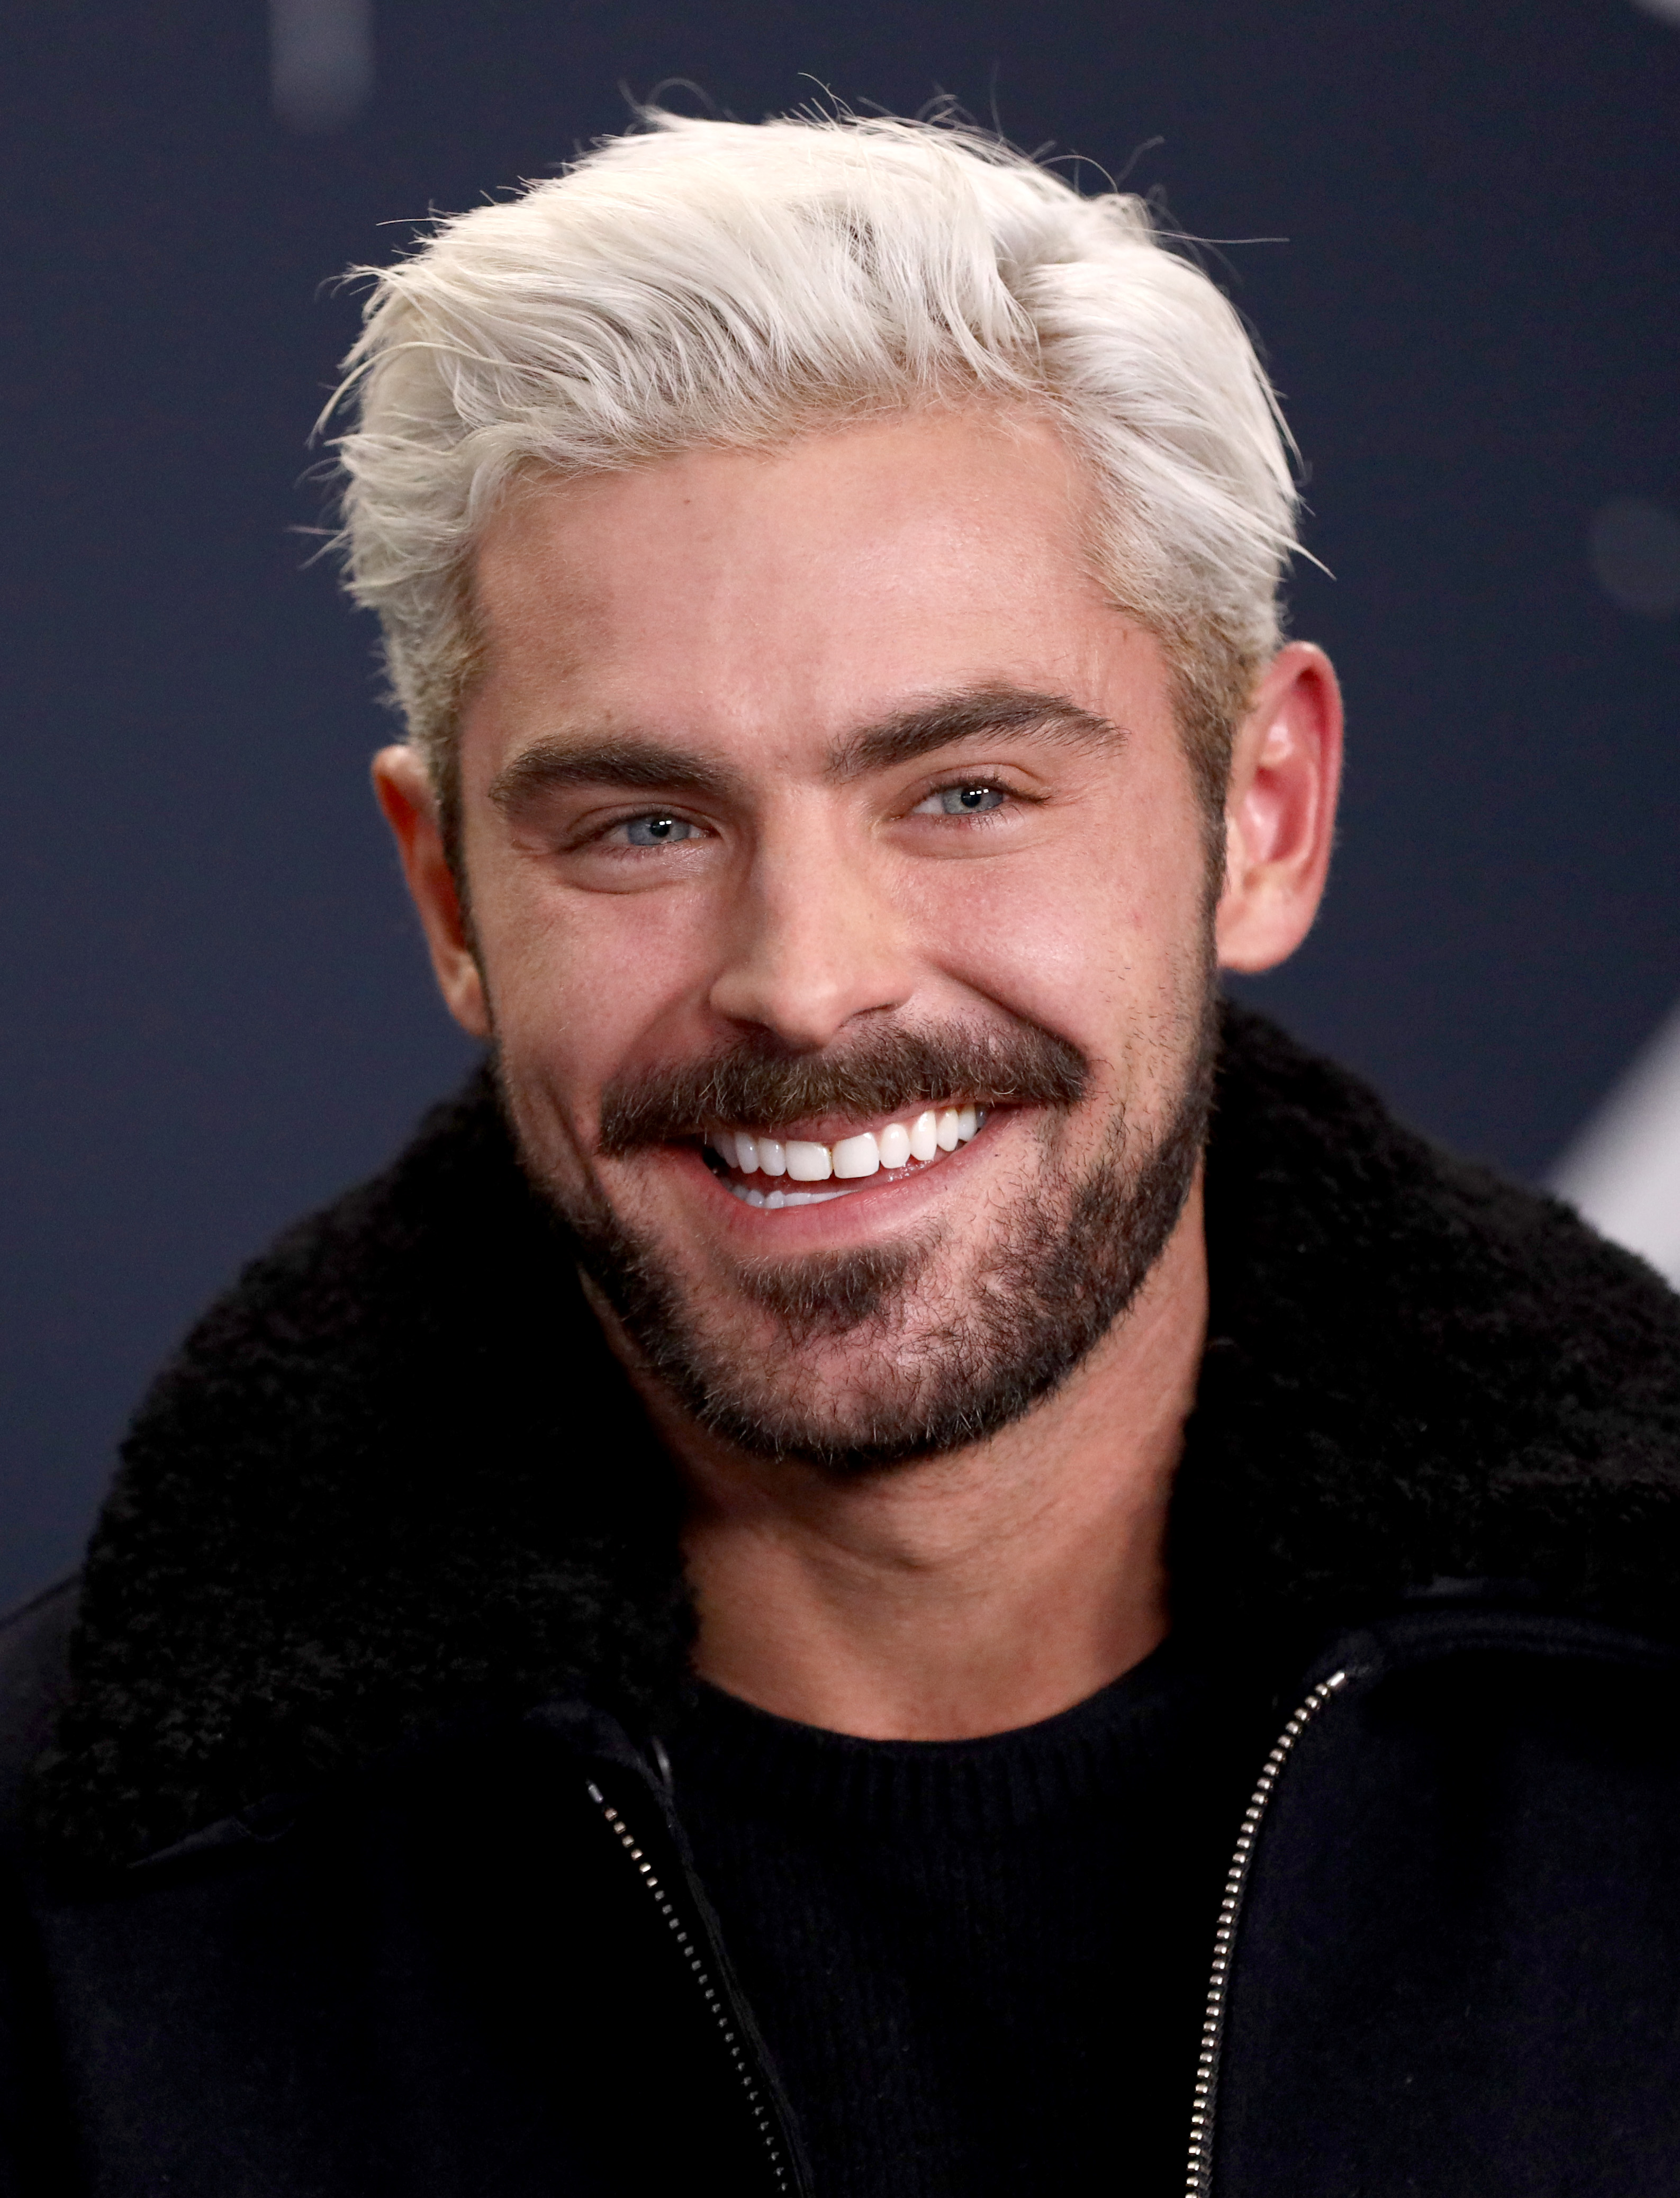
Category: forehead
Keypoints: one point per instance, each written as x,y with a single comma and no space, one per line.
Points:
799,590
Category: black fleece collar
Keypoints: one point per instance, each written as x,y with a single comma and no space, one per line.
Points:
394,1478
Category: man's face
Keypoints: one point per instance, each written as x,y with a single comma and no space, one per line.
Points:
810,794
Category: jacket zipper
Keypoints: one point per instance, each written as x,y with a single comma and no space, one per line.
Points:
1199,2183
717,2001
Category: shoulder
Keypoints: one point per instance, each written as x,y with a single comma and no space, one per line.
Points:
1417,1369
1323,1194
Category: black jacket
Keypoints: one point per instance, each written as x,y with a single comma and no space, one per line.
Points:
337,1859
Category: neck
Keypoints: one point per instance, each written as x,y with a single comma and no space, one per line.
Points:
975,1593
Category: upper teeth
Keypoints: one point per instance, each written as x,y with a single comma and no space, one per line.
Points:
922,1139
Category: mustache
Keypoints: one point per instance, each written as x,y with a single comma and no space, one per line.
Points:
761,1082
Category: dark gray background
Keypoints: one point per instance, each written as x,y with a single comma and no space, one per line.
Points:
217,1011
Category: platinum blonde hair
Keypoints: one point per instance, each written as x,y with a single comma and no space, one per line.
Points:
719,284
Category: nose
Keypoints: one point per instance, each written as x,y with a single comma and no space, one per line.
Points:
812,940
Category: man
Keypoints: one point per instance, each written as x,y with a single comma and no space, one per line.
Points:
897,1558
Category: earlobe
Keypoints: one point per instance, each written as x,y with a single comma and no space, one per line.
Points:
403,788
1280,814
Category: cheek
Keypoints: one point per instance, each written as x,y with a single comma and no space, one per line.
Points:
1091,941
585,986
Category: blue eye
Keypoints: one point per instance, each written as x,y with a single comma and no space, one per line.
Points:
977,800
658,831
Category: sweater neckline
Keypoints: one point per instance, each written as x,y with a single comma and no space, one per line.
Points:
978,1786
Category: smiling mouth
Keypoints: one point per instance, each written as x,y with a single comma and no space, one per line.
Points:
763,1170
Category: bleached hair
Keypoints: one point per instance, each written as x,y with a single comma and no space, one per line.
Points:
725,285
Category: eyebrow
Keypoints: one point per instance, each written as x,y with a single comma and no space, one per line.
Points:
642,764
976,713
639,764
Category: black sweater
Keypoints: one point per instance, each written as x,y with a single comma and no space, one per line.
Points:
979,1966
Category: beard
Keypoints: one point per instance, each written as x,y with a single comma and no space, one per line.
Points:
946,1362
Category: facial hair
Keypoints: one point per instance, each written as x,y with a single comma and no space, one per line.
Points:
947,1369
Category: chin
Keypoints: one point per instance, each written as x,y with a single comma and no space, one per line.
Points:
874,1358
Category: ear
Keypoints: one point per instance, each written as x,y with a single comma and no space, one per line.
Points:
404,790
1281,811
